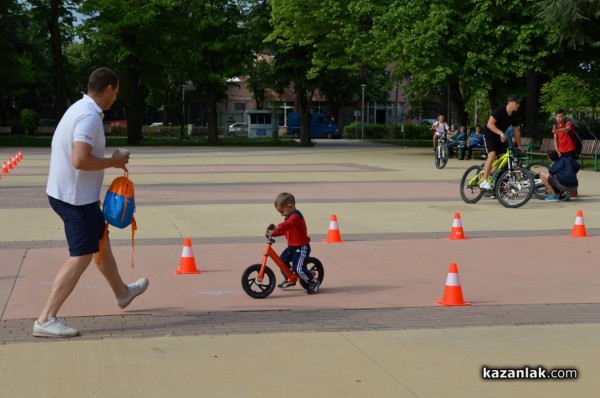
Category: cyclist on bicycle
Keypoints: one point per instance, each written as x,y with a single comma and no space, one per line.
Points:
440,129
298,249
494,134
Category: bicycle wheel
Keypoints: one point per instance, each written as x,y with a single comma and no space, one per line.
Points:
469,185
316,268
441,156
514,188
540,191
252,287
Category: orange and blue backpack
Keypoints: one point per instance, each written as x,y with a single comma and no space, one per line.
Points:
118,209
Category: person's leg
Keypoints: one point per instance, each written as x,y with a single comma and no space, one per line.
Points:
65,281
544,177
108,268
487,167
434,141
286,257
299,263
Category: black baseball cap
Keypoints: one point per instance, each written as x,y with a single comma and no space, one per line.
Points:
513,97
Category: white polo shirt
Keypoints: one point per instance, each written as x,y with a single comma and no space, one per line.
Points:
81,122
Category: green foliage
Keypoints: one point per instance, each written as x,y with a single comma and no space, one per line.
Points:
412,132
565,92
30,120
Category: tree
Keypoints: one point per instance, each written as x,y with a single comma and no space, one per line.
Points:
574,22
315,42
466,46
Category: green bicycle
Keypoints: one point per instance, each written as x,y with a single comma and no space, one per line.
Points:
513,185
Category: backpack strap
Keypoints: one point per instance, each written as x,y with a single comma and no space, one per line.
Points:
102,245
133,229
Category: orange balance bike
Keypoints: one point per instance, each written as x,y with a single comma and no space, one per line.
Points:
258,280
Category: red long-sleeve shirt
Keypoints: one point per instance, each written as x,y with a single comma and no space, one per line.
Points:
294,229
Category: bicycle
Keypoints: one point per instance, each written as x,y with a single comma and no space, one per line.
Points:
536,168
441,152
258,280
513,185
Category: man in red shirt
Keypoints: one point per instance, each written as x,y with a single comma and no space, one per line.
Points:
298,249
563,132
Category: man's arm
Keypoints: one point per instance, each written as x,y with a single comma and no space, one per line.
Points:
491,125
82,158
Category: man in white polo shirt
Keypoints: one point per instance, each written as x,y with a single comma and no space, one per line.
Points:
77,165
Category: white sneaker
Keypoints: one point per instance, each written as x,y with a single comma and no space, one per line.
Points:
133,290
485,185
53,328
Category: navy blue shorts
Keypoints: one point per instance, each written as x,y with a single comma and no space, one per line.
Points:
84,226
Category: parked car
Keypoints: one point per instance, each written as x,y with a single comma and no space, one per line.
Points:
428,122
237,130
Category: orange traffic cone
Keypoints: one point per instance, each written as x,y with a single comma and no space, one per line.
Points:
333,236
453,292
187,264
457,232
579,227
15,160
9,164
4,168
20,156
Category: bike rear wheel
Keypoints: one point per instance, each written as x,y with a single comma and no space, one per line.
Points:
315,267
540,191
255,289
441,156
514,188
469,185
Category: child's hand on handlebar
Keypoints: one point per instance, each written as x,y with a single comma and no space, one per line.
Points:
268,232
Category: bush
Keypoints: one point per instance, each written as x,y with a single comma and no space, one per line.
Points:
354,131
30,120
412,132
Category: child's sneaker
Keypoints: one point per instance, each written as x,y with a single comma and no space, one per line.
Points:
313,286
285,284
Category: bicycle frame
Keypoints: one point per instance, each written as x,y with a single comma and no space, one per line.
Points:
270,253
497,165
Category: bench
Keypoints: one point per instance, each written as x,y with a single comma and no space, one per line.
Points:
45,130
589,150
542,149
153,131
5,130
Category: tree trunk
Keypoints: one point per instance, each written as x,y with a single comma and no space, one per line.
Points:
211,102
135,101
533,93
60,102
304,111
457,100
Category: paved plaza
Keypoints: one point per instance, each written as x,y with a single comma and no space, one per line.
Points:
374,329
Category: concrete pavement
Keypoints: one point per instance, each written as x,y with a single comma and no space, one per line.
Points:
374,329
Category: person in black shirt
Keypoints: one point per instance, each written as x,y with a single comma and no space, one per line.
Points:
494,134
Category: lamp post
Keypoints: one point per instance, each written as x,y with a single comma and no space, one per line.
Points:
362,111
184,88
182,108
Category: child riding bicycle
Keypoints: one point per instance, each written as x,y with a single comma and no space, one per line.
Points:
298,249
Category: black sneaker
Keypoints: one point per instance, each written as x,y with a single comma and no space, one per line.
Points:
313,286
285,284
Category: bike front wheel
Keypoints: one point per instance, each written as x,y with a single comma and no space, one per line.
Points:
469,185
441,156
514,187
258,289
315,267
536,168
